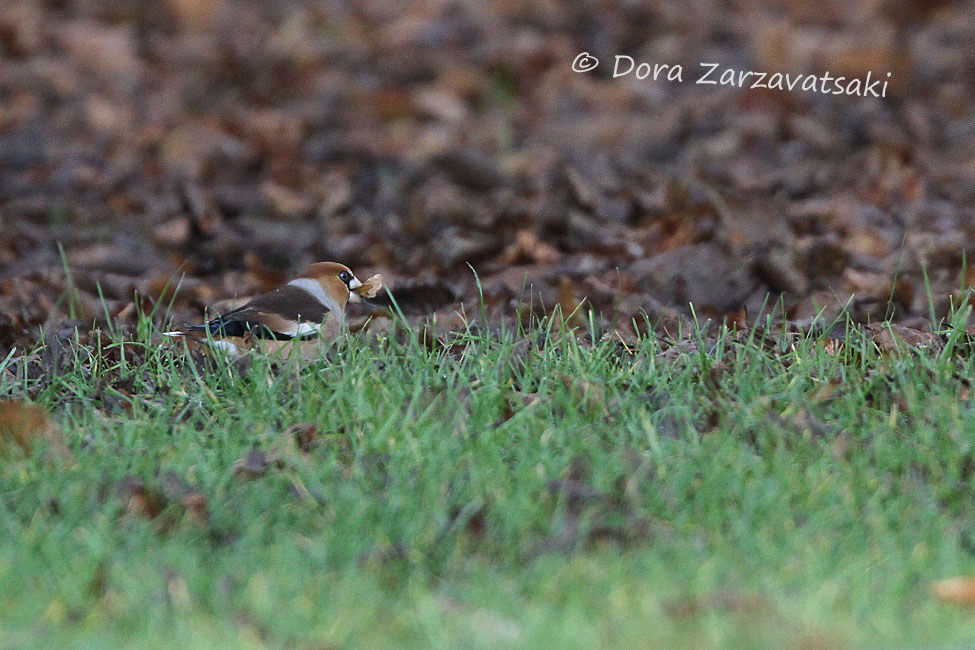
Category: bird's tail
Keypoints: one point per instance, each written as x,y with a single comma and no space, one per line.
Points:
193,330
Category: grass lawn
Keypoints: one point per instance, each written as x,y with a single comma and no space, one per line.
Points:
537,489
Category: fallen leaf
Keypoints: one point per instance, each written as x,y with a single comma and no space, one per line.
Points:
137,499
370,287
529,248
304,435
253,465
570,306
190,497
892,338
23,424
198,13
959,590
285,201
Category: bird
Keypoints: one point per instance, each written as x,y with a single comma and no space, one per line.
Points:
309,306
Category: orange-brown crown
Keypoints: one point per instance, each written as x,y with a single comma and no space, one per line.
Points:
333,279
320,270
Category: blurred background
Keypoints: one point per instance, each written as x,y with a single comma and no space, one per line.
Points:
237,141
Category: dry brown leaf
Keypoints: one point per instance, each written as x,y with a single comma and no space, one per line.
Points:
254,464
959,590
827,390
370,287
873,285
893,338
138,500
867,241
304,435
198,13
177,490
528,247
832,347
285,201
23,424
570,306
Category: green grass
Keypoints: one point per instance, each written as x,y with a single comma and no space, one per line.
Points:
542,490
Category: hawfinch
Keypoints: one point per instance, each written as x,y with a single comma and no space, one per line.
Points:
311,305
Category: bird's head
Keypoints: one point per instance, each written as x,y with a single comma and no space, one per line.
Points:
336,280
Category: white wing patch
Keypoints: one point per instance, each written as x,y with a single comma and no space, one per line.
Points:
300,329
316,290
227,346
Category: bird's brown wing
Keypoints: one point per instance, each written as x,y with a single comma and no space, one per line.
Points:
270,316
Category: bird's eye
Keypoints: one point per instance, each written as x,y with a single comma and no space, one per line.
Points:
345,276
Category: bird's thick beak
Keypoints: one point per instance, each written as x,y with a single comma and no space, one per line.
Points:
354,283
